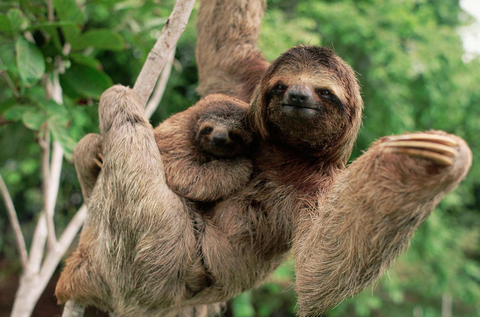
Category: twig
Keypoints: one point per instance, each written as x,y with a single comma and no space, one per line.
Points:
54,256
38,245
157,57
12,215
50,10
9,82
47,206
73,310
160,87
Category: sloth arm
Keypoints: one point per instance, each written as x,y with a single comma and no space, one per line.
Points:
132,197
186,174
228,59
87,159
368,217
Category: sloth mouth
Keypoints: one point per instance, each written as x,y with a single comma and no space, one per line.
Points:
312,107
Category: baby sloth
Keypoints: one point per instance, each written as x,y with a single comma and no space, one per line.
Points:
205,149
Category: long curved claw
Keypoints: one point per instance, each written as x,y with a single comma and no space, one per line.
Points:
436,138
437,158
99,163
99,160
437,148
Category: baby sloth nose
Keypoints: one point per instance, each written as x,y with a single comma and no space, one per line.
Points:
299,95
219,139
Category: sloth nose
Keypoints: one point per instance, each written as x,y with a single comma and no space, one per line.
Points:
219,139
299,96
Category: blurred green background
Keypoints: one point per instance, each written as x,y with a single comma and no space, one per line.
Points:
414,76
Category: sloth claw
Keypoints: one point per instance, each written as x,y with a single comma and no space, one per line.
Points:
437,148
434,138
99,164
99,160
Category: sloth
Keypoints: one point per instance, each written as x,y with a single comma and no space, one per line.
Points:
205,149
143,253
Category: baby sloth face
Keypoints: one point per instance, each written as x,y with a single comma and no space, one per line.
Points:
224,136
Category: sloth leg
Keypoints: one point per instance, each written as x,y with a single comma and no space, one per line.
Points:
88,162
370,214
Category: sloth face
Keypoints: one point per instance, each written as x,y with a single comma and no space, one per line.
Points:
308,99
223,137
306,107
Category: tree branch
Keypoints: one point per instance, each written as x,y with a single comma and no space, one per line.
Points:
73,310
54,256
160,87
47,207
12,215
157,57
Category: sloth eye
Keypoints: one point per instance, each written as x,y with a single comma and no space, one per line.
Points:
207,130
279,88
324,92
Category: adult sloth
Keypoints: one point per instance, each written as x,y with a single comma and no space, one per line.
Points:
147,251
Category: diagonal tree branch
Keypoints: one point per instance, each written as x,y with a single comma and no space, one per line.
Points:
12,215
157,58
157,95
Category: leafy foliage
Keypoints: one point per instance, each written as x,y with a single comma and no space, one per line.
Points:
409,58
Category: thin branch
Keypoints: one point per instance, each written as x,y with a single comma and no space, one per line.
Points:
73,310
50,10
157,58
12,215
47,206
54,256
9,82
38,245
160,87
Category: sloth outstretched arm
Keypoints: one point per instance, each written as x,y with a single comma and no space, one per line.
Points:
228,59
371,213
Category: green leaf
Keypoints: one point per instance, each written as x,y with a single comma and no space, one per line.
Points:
85,60
71,32
16,113
60,134
86,81
4,106
43,25
102,39
67,10
5,26
30,62
7,54
53,108
16,19
34,119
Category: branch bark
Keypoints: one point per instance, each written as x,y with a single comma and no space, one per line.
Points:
157,57
157,95
12,215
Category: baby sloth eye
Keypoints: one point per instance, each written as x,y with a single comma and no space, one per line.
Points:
207,130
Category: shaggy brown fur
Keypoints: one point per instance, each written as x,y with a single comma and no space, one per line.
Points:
205,149
147,251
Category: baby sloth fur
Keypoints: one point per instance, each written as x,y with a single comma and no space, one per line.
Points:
205,149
